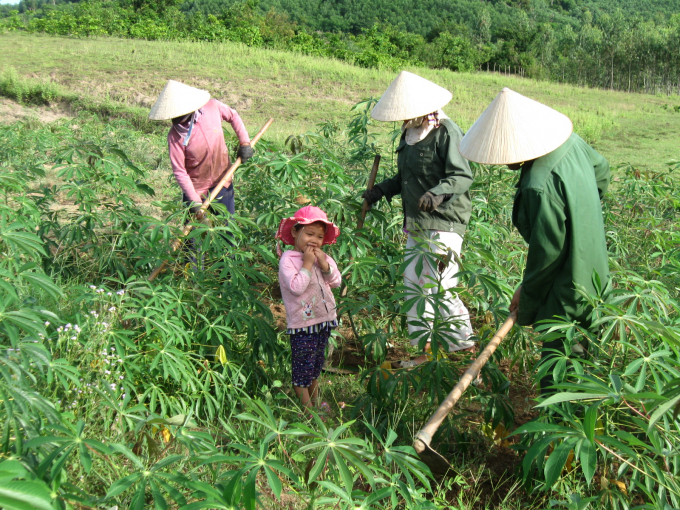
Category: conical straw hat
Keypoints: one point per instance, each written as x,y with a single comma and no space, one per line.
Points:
410,96
514,129
178,99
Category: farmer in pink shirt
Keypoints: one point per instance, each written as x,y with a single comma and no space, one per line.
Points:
306,277
198,153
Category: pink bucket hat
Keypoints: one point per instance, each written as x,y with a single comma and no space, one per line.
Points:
306,216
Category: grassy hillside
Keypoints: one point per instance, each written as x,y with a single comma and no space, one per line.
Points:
300,91
120,392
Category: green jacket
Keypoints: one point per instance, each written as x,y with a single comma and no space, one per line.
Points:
557,211
435,165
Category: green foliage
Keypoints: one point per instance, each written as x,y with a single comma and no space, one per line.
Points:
26,91
174,391
613,413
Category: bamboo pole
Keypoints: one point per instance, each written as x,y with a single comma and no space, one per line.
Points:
216,190
424,436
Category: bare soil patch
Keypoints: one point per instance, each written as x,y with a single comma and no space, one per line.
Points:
11,111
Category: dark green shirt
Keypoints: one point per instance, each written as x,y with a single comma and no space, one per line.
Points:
557,211
435,165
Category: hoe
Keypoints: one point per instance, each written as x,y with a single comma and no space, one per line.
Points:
438,464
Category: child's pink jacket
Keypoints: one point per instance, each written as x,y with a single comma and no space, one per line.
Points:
307,295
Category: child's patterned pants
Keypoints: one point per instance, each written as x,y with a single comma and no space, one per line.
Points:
308,356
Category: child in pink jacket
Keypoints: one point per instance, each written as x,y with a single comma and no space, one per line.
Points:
306,276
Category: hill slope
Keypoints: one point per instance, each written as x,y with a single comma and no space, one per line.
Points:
300,91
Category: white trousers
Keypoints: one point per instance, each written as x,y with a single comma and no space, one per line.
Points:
422,276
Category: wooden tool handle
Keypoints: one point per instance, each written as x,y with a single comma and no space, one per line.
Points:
173,248
216,190
229,173
371,181
425,434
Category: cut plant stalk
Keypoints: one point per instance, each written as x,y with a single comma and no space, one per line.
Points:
201,213
436,462
365,207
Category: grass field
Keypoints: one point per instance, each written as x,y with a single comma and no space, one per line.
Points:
162,379
300,91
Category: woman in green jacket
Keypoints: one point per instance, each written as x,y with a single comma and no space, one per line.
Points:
433,180
557,207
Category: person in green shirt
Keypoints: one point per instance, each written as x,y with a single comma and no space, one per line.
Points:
433,180
556,210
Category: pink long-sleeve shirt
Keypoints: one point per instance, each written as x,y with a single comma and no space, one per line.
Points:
201,164
307,295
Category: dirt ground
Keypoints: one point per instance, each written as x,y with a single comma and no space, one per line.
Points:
11,111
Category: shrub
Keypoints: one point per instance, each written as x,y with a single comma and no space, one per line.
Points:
27,91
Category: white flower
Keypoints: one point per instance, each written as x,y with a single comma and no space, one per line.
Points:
99,291
68,326
41,335
73,337
112,309
92,287
107,361
121,377
113,386
107,372
120,292
77,328
108,293
113,348
60,329
47,323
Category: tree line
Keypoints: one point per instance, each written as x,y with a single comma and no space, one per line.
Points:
571,41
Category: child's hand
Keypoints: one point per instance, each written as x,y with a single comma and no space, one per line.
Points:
308,258
321,259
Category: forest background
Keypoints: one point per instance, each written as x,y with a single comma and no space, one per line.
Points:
626,45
